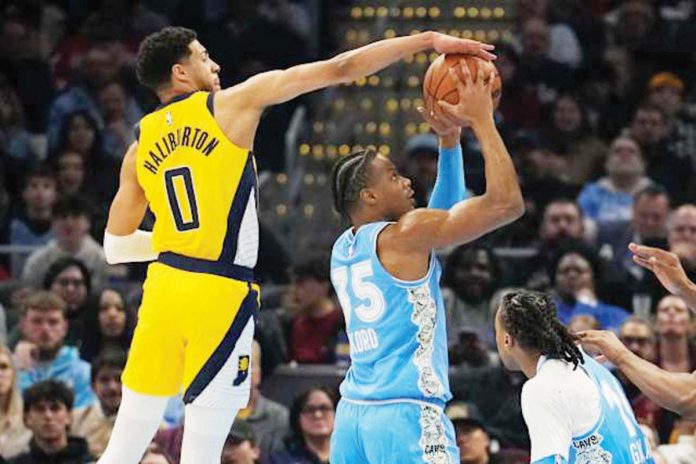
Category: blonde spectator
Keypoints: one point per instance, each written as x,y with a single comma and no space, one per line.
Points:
14,436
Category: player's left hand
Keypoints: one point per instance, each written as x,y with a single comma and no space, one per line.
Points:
442,126
605,342
443,43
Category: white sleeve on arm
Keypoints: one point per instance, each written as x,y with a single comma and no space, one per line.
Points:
133,248
548,420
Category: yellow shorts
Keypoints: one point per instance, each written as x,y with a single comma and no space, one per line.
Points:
194,332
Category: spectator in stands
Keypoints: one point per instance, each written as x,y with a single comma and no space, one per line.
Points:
471,276
109,326
648,226
317,320
639,336
576,272
70,225
14,436
667,92
118,130
81,134
15,140
562,223
70,168
653,131
101,64
681,236
27,69
571,135
519,105
473,439
95,422
421,153
610,199
47,413
311,421
31,225
537,68
44,325
241,445
268,420
582,322
676,352
70,280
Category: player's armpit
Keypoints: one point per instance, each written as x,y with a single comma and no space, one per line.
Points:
464,222
552,459
129,204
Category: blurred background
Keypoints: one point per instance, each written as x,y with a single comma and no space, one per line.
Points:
598,111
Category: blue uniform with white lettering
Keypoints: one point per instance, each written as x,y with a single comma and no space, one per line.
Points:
616,438
397,385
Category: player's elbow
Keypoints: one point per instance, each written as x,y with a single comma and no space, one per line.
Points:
343,68
508,209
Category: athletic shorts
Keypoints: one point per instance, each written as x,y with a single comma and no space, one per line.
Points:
392,432
194,333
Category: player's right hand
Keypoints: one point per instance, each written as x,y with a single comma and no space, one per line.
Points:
665,265
443,43
475,101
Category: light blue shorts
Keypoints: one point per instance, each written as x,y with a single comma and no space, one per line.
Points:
395,432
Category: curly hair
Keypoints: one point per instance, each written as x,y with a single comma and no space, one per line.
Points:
530,317
159,52
350,175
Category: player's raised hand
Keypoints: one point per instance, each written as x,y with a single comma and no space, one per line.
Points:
443,43
475,102
665,265
441,125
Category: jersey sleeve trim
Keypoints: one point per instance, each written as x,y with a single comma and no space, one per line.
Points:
209,102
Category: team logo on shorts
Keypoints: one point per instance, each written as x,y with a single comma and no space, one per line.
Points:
242,370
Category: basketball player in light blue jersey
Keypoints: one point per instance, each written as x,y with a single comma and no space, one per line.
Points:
386,276
575,409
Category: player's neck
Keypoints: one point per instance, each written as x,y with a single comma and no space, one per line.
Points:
170,92
528,364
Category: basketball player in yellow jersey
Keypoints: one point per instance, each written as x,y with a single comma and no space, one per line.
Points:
192,163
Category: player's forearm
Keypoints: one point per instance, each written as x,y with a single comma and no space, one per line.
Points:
131,248
376,56
502,187
671,390
450,184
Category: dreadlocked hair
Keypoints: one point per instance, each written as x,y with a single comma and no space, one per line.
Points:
350,175
530,317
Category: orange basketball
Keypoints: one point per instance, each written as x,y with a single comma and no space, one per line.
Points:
439,85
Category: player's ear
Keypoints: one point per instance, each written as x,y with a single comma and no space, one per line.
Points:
368,196
179,72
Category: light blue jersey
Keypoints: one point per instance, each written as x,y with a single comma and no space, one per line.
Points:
396,329
616,438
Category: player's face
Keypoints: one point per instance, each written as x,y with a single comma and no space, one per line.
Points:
203,71
503,341
392,190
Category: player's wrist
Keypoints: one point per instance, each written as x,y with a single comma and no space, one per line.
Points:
450,140
482,123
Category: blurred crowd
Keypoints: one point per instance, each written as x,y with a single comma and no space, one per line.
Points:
599,114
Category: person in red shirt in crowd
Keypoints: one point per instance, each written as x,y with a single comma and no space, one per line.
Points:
316,319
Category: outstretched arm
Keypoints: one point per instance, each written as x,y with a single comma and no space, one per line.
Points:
123,242
671,390
450,183
275,87
424,229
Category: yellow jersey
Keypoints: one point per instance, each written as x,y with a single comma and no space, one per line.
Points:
201,187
